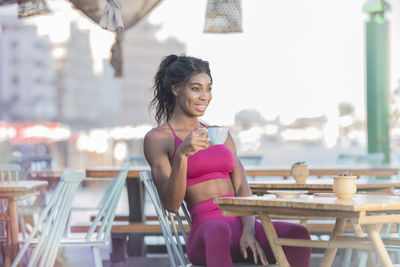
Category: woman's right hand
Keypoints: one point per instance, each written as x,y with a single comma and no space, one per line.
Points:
195,141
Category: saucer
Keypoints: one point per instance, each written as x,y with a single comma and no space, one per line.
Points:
287,193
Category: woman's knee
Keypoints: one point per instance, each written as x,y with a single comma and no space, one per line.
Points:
293,230
301,232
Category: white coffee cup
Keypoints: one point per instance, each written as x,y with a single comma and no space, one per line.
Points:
217,135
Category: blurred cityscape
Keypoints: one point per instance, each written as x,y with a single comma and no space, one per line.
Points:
55,101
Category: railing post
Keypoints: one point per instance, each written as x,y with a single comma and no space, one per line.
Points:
377,72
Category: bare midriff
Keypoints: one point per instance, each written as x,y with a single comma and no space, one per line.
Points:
208,189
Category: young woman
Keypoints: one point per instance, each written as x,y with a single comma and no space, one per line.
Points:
185,167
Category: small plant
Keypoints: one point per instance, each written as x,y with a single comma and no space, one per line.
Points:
299,163
345,173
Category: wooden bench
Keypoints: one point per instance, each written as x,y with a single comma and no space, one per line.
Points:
121,225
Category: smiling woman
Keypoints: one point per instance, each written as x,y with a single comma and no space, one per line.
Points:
186,167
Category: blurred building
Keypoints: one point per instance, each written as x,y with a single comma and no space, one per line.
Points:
85,100
27,79
109,97
142,53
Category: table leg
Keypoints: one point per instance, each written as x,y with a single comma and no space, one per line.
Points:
360,233
376,242
272,237
12,212
303,222
8,255
331,252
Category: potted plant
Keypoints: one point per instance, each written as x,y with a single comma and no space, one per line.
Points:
299,171
344,185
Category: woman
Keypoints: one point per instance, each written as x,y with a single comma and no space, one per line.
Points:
185,167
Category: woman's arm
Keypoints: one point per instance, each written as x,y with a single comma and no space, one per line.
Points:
242,188
171,180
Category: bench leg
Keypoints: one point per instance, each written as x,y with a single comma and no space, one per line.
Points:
118,248
136,245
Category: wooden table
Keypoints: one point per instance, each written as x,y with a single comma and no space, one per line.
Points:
357,170
368,210
47,175
105,172
136,190
14,191
325,185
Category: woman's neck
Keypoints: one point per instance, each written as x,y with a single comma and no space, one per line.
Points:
185,122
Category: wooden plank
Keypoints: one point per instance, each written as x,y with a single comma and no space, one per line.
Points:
126,218
335,244
151,225
340,242
127,227
378,219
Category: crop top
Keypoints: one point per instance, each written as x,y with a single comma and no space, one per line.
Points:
214,162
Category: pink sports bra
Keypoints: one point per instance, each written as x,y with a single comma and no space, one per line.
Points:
214,162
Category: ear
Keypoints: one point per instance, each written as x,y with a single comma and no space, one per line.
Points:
175,90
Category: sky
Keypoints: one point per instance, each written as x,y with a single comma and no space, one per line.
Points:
293,59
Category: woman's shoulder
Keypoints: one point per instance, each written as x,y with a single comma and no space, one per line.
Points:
158,133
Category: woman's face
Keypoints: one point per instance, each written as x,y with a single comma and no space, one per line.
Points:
194,96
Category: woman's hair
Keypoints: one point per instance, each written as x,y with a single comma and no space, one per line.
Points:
173,71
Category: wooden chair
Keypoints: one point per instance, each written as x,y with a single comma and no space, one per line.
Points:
27,208
9,172
51,223
99,232
172,225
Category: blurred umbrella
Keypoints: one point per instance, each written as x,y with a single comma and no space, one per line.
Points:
223,16
27,8
116,15
110,14
111,19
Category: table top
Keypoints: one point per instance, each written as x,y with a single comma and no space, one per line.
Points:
358,203
358,170
107,172
21,185
325,170
325,183
45,175
21,188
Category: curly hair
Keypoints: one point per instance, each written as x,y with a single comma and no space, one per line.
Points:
174,70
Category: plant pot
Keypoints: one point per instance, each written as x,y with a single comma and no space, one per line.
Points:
344,187
299,173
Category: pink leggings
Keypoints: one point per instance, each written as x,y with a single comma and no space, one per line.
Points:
214,239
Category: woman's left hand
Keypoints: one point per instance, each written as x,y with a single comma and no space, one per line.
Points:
247,240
